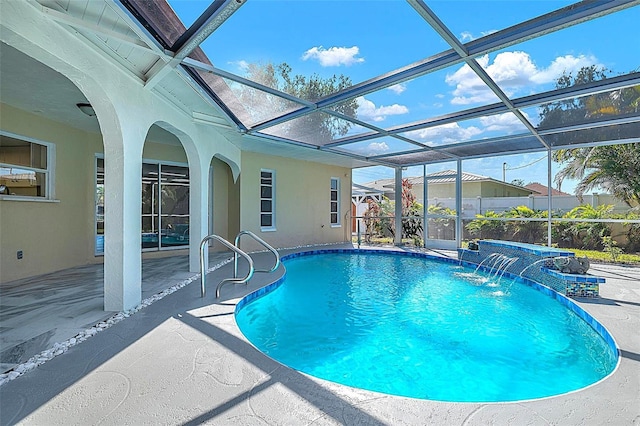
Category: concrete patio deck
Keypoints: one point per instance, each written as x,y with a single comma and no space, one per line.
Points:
183,360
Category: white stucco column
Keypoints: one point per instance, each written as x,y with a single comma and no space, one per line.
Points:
398,207
123,186
198,207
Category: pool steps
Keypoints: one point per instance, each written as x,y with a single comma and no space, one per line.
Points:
235,248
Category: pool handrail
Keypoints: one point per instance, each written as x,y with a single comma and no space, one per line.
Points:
261,241
236,252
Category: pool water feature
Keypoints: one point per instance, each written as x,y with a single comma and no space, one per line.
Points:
418,327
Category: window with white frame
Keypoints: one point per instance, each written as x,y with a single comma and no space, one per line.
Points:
267,200
25,167
335,202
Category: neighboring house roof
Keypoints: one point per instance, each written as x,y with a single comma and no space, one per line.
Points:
357,189
444,176
542,189
380,185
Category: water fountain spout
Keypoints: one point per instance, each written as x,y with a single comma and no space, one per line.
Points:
492,256
533,264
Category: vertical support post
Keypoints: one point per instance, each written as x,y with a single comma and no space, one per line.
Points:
199,179
549,203
459,203
398,207
123,228
425,206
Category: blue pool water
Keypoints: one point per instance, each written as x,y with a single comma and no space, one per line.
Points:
421,328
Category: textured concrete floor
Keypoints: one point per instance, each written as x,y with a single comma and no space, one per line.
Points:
182,360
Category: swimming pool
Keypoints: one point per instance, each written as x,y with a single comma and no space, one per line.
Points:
419,327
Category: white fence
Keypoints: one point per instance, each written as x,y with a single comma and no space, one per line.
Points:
479,205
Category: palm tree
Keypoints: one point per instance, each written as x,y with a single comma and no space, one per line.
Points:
614,168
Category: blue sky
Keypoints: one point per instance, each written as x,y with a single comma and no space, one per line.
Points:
363,39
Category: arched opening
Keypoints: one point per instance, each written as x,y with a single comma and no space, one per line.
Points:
165,213
47,151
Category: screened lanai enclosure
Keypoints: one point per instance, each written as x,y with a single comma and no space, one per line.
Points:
421,87
468,103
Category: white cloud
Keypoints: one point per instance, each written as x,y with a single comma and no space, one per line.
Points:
568,63
466,36
377,148
398,88
505,123
242,65
373,148
334,56
367,110
513,71
445,134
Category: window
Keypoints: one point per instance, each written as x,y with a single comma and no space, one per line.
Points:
25,167
99,206
267,200
335,202
165,206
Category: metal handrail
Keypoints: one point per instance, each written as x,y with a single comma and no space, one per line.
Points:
236,252
261,241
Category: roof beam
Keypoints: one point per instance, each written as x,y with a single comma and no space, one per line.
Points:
416,69
218,12
210,20
230,76
428,15
550,22
591,88
196,82
553,21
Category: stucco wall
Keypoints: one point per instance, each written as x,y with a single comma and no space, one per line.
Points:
495,189
226,213
302,201
60,234
469,189
52,235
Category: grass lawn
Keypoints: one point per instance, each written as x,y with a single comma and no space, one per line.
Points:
601,256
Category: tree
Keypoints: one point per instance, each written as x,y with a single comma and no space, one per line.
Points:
380,217
484,227
526,231
585,235
614,168
318,127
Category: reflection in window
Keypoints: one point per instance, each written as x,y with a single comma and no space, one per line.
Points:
165,206
24,168
335,201
267,200
99,206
